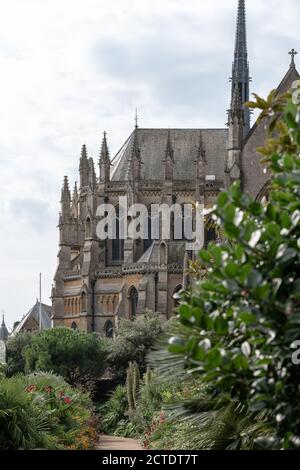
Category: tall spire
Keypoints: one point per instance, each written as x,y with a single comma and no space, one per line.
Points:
75,192
3,330
65,192
84,168
65,200
104,153
240,68
104,160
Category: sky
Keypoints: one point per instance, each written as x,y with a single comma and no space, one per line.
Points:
71,69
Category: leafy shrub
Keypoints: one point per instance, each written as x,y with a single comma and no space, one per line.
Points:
114,409
239,326
42,410
14,351
133,341
22,424
76,356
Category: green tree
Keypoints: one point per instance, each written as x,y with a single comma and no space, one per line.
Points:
77,356
238,327
133,341
15,358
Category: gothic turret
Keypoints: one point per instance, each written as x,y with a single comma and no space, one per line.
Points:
104,161
240,70
65,200
74,204
84,168
92,174
3,330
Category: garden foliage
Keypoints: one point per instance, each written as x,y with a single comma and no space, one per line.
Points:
239,327
42,411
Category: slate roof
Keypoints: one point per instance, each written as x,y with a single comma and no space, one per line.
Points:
34,313
185,143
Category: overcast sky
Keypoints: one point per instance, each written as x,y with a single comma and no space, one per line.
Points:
73,68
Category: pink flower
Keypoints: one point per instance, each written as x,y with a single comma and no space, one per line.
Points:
31,388
67,400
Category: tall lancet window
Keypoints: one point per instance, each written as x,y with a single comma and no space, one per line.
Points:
117,245
133,298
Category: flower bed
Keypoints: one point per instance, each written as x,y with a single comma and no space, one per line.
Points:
42,410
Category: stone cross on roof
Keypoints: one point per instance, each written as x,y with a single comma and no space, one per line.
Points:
293,53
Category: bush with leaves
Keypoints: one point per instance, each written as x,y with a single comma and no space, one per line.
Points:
78,357
14,352
238,327
114,410
22,425
42,411
133,341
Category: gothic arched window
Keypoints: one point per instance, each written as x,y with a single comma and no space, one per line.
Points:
74,326
133,297
147,242
109,329
117,245
88,228
163,254
83,302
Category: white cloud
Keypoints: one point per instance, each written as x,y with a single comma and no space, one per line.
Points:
70,69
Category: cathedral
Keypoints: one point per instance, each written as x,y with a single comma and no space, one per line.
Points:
98,281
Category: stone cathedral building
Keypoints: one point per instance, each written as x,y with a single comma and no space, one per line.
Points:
97,282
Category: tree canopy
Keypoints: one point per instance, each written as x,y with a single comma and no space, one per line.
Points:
78,357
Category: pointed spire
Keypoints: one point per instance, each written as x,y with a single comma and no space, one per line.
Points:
84,167
65,200
75,192
3,330
84,152
92,174
240,69
169,153
65,192
104,153
104,160
75,201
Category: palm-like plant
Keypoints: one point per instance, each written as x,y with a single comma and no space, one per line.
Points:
22,425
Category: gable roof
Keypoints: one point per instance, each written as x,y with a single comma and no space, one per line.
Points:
34,315
286,83
284,86
185,143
